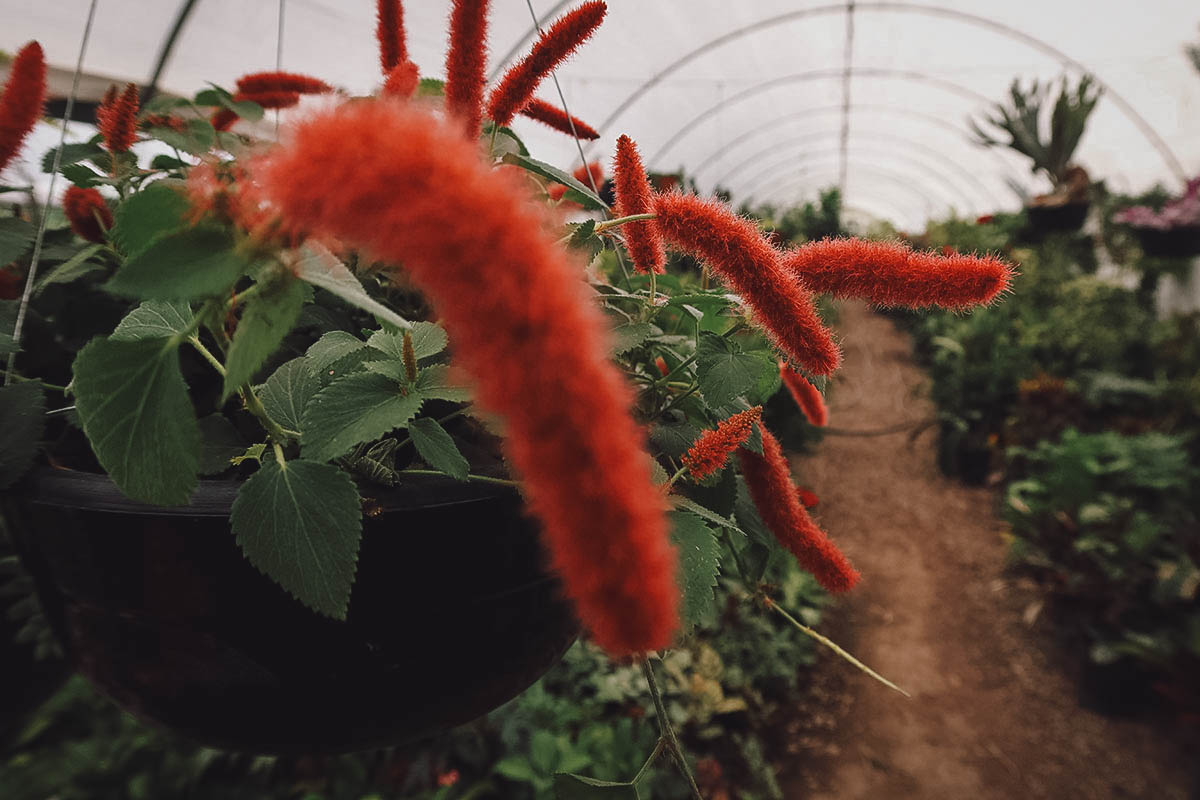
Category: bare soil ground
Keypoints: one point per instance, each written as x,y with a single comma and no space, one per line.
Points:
994,710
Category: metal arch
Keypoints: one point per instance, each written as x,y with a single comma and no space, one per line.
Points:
814,75
884,210
909,181
1122,104
782,194
529,34
904,182
918,166
164,53
930,119
965,175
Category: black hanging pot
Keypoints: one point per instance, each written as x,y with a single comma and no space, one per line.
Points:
1177,242
1053,218
453,613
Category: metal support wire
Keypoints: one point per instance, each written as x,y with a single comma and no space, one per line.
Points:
847,71
41,231
164,53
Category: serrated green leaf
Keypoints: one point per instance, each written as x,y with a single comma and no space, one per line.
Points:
687,504
431,87
356,408
576,191
186,264
22,420
568,786
72,269
725,374
134,407
300,524
82,175
268,318
197,138
153,319
286,393
143,217
433,383
253,453
71,154
628,336
16,238
220,442
322,268
437,447
428,339
331,348
674,439
699,562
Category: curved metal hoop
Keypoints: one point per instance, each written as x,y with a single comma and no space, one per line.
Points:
921,116
801,178
1122,104
907,181
916,147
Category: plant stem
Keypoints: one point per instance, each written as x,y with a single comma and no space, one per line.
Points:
667,732
470,477
681,365
253,404
679,398
195,342
658,748
612,223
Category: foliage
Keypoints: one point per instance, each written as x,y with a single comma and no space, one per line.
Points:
811,221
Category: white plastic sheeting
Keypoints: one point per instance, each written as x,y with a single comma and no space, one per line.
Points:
747,95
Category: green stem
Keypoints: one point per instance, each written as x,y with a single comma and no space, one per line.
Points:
658,749
667,732
470,477
681,365
195,342
254,406
676,476
679,399
53,386
612,223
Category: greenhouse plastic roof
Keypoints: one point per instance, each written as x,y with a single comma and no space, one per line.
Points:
751,96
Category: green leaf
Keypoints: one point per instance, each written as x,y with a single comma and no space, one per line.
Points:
724,373
153,319
433,383
82,175
287,392
437,447
197,138
576,191
515,768
220,442
134,407
71,154
568,786
681,502
356,408
72,269
431,87
428,339
628,336
143,217
322,268
269,316
332,348
22,420
699,561
300,524
187,264
16,238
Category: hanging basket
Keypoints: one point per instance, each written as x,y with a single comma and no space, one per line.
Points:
1176,242
1057,218
452,614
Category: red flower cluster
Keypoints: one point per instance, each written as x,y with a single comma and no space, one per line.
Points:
116,117
805,394
87,212
554,46
21,103
402,81
465,63
893,274
389,30
737,251
806,497
770,483
558,119
710,452
434,206
163,121
269,83
593,173
634,196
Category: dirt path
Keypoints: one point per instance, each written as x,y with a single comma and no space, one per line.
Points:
992,715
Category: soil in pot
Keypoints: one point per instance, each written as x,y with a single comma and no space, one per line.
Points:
453,613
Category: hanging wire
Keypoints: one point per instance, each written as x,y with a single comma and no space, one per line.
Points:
847,74
41,232
279,55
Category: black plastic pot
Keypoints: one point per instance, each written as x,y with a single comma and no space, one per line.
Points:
1182,242
453,613
1066,217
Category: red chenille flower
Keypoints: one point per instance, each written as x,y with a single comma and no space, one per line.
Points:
163,121
281,99
806,496
805,394
21,103
770,483
893,274
87,212
710,452
223,119
117,119
634,196
592,174
270,82
389,30
737,251
434,206
402,81
558,119
465,63
554,46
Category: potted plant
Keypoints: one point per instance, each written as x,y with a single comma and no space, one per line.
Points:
293,421
1049,144
1172,231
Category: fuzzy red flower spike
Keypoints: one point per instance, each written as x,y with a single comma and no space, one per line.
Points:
712,449
737,251
554,46
893,274
117,119
634,196
21,103
87,212
434,206
592,174
402,81
271,82
389,31
805,394
555,117
465,63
